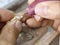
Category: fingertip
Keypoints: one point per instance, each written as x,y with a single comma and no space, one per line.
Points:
18,25
15,25
48,10
41,9
30,1
6,15
38,18
12,28
33,23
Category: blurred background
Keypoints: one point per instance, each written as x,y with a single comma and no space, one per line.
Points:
14,5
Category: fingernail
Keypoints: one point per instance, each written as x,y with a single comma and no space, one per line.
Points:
37,18
18,25
41,11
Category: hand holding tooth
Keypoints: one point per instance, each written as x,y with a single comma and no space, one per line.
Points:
49,13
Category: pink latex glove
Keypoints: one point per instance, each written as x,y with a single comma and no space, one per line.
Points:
30,8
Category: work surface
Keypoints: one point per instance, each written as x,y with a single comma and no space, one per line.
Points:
41,36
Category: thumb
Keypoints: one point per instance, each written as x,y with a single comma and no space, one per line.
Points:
11,31
48,9
6,15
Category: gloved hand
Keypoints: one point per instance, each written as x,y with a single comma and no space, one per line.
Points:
46,13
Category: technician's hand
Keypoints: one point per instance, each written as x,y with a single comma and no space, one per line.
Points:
10,31
47,13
